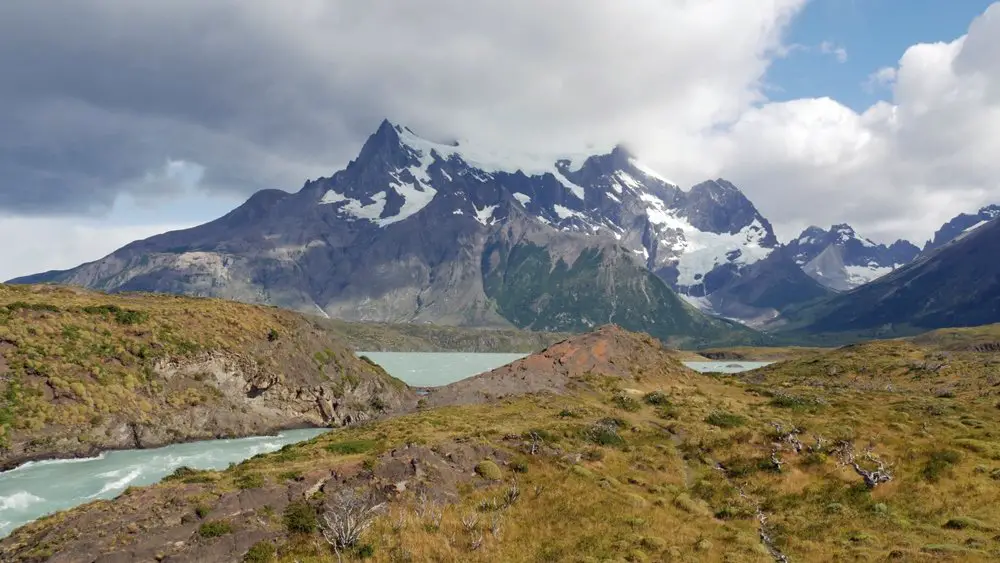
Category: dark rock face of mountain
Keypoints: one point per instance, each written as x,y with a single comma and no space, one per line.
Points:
415,231
956,285
842,260
961,224
766,289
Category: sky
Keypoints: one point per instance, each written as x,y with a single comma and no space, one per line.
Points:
120,120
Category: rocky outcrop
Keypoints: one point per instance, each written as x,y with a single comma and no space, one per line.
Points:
79,381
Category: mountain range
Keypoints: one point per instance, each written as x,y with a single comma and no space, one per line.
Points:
956,284
419,231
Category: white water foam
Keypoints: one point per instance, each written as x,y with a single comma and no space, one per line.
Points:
19,500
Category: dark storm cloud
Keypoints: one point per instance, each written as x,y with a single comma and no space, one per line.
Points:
96,95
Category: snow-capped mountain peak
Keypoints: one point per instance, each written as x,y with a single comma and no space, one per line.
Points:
697,240
842,259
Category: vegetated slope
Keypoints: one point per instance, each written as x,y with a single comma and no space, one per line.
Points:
536,288
82,371
955,285
629,461
409,337
945,363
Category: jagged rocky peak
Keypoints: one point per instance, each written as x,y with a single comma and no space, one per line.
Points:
720,207
842,259
960,225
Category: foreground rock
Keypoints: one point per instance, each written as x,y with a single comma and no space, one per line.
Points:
82,372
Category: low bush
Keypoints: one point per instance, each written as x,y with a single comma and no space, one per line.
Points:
656,398
625,402
489,470
260,552
939,462
215,529
724,419
300,518
351,447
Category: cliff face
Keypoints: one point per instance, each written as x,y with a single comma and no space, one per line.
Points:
82,372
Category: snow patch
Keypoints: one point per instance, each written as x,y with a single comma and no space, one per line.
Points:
332,197
700,252
860,275
976,226
414,199
566,213
485,215
354,208
650,172
625,179
575,189
522,199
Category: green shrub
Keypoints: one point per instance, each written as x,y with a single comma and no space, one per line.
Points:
604,433
130,317
795,402
201,510
938,463
366,551
351,447
300,518
180,473
519,466
215,529
250,481
657,398
962,522
724,419
625,402
489,470
260,552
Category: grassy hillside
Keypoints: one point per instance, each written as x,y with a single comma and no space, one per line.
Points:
632,461
82,371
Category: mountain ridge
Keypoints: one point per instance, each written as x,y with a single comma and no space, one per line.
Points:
399,234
